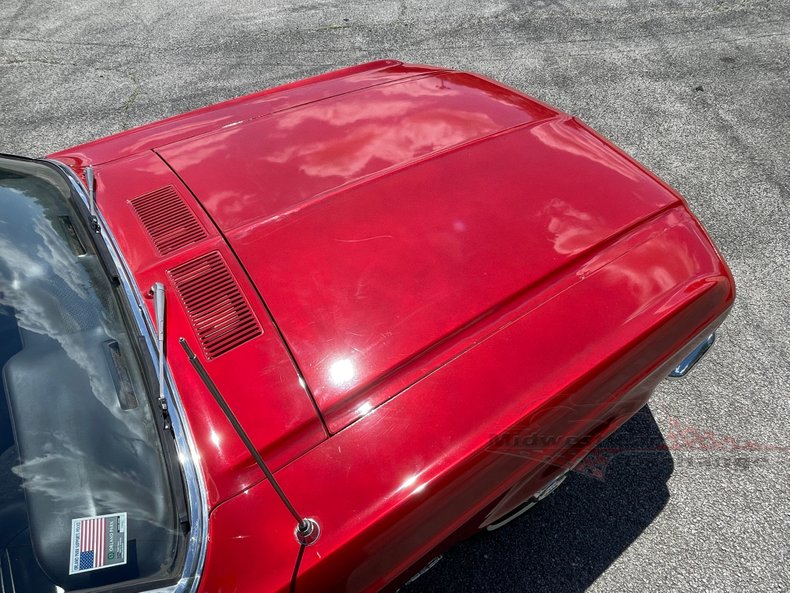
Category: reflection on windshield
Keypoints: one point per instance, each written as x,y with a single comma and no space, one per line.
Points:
50,294
84,440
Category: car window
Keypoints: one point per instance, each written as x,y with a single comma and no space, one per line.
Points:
85,489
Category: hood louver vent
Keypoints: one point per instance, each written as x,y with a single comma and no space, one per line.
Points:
216,307
169,221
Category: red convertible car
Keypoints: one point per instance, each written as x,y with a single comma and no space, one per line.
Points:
307,338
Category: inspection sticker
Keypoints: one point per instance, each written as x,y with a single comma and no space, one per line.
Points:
98,542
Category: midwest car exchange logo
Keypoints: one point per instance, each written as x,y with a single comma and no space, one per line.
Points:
686,443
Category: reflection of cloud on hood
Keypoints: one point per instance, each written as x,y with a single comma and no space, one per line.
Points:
653,274
572,229
428,86
375,104
416,134
345,112
579,143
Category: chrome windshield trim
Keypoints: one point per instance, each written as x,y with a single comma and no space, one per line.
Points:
187,451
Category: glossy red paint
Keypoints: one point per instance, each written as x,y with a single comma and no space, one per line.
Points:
274,167
451,265
229,113
570,363
455,262
267,380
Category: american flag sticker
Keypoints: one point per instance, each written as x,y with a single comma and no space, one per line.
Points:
98,542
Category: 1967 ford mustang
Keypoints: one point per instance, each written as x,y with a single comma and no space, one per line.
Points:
307,338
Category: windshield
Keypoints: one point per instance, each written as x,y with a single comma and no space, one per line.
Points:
85,493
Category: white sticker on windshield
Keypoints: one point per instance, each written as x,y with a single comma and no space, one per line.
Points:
98,542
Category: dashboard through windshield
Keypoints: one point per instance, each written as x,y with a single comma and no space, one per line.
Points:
86,485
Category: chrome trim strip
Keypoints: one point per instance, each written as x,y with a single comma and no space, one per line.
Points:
187,450
694,357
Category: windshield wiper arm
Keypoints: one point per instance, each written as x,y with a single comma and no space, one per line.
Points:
90,185
158,292
83,200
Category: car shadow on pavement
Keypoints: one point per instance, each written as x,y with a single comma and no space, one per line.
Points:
569,539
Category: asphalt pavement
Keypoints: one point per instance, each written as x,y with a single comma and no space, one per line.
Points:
693,494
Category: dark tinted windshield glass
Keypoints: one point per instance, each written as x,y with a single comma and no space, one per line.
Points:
85,497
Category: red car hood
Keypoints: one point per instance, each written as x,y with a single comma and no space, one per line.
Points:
387,216
380,225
